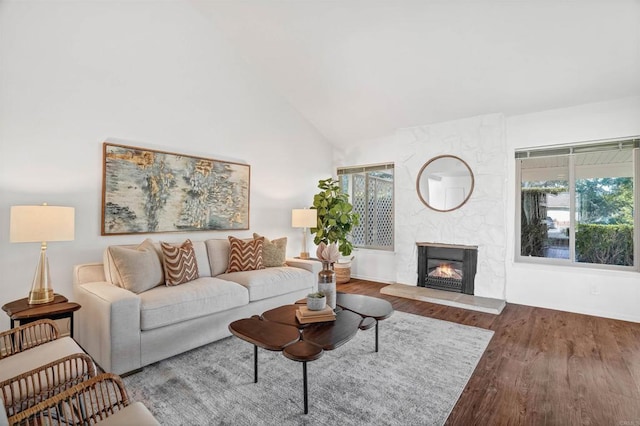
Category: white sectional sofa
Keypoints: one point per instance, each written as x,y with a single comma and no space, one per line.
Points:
124,331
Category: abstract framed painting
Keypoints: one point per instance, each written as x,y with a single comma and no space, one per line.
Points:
147,191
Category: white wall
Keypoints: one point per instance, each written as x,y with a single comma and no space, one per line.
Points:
374,265
152,74
611,294
156,74
479,141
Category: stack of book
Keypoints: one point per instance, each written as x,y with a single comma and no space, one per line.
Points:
307,316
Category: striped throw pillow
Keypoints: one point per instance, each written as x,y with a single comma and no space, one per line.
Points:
245,255
180,264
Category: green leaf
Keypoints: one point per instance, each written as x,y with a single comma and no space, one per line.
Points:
335,217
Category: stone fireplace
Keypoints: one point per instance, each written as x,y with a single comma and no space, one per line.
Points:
447,267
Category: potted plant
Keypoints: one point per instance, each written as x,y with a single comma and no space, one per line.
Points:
336,218
316,301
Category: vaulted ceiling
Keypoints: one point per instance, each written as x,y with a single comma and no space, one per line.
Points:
360,69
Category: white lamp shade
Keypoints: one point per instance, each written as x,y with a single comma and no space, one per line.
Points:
31,224
304,218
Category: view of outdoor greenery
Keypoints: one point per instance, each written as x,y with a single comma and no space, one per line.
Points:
542,236
598,225
604,217
605,201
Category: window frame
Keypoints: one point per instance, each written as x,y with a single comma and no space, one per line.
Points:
364,221
571,151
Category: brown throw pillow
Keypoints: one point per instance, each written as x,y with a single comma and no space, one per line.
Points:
245,255
274,252
180,264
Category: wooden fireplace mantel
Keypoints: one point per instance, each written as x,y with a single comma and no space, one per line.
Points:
458,246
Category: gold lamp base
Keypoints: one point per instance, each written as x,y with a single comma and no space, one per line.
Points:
37,297
304,255
41,290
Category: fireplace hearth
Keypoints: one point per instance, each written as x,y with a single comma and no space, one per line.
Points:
447,267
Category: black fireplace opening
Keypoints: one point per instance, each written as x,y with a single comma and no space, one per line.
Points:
447,267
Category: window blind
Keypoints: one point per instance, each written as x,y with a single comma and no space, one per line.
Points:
364,169
609,145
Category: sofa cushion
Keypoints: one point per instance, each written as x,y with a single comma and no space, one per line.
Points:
202,258
218,252
274,252
165,305
245,255
271,282
4,420
37,356
180,265
135,268
133,414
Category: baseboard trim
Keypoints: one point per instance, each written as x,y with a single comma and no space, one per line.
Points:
375,279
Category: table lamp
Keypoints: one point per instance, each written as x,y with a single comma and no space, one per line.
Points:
304,218
43,223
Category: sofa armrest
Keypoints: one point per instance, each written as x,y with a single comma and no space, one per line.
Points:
312,266
88,273
109,325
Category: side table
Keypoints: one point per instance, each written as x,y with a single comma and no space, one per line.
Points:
20,310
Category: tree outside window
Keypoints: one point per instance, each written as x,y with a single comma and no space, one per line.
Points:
577,204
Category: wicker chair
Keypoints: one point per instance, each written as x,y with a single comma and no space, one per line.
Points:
27,389
24,381
101,399
27,336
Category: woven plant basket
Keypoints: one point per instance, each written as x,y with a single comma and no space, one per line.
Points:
343,272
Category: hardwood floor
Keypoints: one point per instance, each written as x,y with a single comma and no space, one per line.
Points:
542,367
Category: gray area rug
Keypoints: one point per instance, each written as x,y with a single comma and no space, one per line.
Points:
416,379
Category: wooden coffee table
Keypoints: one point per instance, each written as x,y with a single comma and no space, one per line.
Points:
279,330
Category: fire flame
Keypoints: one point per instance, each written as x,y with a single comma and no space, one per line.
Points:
445,270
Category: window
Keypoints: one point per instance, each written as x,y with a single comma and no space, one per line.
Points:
370,189
577,204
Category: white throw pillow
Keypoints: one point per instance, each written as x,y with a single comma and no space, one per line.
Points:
138,269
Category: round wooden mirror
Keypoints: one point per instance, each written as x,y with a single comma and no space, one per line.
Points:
445,183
